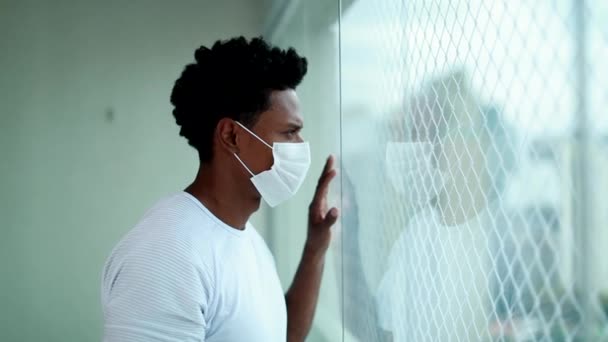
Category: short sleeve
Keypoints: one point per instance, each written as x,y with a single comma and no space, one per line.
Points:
158,292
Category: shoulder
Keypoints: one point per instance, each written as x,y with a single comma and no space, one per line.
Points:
171,237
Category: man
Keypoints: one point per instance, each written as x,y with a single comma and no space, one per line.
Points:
193,268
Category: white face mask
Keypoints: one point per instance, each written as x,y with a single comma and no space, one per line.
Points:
411,172
282,181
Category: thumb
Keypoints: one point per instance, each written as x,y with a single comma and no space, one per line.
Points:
331,217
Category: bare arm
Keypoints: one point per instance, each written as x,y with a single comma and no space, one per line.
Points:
302,296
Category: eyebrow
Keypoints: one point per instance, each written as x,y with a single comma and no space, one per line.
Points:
295,125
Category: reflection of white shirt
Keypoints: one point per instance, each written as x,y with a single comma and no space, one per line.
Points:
436,285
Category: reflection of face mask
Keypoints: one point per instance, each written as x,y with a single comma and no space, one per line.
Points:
411,172
282,181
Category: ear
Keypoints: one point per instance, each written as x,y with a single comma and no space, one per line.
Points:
226,135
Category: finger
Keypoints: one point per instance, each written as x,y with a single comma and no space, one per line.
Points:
329,164
322,189
331,217
326,176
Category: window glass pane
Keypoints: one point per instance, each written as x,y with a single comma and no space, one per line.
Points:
469,181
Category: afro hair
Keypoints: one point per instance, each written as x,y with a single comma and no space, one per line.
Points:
234,79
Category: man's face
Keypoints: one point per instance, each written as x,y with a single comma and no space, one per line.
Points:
282,122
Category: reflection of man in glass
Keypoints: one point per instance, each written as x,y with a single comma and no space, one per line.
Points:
435,287
436,283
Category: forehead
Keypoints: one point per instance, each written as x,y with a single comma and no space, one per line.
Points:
284,109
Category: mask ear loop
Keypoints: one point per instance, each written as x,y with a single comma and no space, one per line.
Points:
250,132
260,139
245,166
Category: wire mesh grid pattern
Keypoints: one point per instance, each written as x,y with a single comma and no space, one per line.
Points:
468,211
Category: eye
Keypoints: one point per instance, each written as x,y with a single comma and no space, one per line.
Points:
292,133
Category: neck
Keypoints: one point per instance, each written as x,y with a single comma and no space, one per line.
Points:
221,193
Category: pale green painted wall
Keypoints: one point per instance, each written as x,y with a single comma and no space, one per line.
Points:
71,180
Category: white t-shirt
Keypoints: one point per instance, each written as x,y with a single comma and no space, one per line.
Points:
183,275
436,284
